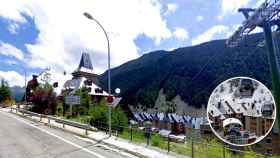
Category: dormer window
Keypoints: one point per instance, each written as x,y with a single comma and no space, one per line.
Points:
88,82
89,89
98,90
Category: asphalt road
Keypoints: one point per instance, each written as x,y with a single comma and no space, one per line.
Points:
21,138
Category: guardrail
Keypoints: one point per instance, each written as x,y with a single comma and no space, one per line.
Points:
193,147
64,122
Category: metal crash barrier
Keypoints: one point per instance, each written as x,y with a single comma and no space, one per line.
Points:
27,113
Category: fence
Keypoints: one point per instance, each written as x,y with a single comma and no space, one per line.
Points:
193,145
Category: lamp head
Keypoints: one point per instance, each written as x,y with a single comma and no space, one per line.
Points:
117,91
86,14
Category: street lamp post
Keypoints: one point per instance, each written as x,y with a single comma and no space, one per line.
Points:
87,15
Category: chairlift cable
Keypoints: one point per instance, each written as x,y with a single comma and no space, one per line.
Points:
202,69
220,76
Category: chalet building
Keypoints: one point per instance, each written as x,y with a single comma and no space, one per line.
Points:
258,125
188,124
177,126
84,76
157,119
256,116
205,127
270,144
137,118
246,88
169,122
85,69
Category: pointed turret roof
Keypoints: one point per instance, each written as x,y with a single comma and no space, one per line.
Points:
85,68
85,61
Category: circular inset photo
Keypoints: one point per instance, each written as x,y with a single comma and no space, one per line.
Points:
241,111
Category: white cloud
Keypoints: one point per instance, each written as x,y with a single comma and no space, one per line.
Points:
13,78
13,28
199,18
258,3
171,8
181,33
11,51
12,10
257,30
230,7
210,33
56,76
10,62
65,32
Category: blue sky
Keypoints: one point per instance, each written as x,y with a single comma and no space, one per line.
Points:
36,35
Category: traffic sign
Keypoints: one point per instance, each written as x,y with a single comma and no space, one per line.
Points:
116,102
110,99
72,100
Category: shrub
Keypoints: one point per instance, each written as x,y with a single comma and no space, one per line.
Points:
156,140
119,119
44,100
59,110
99,116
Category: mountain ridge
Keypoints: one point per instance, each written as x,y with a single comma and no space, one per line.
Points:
191,72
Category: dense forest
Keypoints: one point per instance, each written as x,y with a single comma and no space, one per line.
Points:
191,72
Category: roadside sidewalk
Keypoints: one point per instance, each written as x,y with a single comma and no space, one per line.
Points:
137,149
114,142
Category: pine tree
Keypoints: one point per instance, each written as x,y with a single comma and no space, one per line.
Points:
5,92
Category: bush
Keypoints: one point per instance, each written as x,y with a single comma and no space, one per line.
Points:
59,110
156,140
44,100
119,119
85,97
99,116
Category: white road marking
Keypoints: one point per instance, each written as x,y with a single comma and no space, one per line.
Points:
56,136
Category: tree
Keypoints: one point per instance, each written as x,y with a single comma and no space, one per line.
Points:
98,113
5,92
85,101
44,99
85,97
99,116
119,119
59,109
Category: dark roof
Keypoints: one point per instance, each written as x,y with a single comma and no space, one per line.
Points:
85,61
246,82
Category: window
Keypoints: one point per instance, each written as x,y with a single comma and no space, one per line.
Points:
98,90
268,140
88,82
269,151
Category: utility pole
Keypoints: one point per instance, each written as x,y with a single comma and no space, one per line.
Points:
266,16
